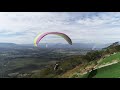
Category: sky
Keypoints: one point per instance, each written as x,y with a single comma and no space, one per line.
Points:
81,27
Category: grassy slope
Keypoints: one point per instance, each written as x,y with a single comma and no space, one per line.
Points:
112,71
76,72
110,58
108,71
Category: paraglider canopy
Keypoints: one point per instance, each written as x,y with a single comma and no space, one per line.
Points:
40,36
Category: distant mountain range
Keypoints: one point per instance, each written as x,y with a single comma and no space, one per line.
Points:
59,45
76,45
8,45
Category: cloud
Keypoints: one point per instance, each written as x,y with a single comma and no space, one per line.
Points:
22,27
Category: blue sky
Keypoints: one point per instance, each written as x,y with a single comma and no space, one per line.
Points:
81,27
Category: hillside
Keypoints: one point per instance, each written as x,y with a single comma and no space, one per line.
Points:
109,67
95,63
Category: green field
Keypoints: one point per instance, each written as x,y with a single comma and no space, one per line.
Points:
112,71
110,58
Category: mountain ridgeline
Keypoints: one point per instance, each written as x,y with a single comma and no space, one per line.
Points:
5,45
52,45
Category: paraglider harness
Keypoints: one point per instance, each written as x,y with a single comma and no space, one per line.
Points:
56,66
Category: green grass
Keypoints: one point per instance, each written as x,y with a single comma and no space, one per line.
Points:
112,71
110,58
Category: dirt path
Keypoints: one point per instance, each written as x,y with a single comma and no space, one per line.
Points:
98,67
107,64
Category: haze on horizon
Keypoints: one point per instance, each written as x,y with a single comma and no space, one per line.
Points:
81,27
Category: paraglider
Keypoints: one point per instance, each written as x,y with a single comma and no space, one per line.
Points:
40,36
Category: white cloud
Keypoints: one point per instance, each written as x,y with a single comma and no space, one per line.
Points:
22,27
